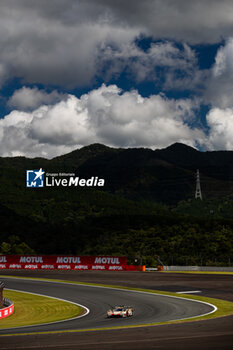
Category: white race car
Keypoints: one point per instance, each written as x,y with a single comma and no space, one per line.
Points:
120,311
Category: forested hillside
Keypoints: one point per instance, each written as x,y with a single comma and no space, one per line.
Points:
146,208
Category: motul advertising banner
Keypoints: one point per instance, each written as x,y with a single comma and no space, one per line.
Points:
63,262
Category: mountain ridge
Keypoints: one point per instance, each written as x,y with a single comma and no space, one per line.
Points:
166,175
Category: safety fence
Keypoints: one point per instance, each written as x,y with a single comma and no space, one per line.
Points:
8,308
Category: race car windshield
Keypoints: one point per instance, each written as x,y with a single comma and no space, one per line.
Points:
119,309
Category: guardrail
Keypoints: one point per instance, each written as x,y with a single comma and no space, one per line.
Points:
198,268
8,310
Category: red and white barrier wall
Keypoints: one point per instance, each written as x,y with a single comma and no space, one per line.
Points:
8,310
63,262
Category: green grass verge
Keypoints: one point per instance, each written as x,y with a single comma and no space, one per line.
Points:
32,309
224,308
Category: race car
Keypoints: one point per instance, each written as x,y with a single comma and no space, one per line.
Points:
120,311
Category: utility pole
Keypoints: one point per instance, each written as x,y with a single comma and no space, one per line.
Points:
198,186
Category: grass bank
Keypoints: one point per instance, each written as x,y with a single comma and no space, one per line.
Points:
33,309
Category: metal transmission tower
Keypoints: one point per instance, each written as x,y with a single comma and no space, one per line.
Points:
198,186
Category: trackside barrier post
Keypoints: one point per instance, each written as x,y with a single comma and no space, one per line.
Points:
160,268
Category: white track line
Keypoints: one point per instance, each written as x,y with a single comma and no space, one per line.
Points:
189,292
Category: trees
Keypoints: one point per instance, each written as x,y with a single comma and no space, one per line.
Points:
15,246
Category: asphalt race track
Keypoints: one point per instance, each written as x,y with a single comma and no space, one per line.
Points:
148,307
212,334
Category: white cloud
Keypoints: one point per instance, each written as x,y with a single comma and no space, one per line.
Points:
219,87
31,98
65,123
142,65
105,115
57,42
192,21
220,122
65,42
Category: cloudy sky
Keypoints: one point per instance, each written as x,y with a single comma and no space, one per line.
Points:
125,73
